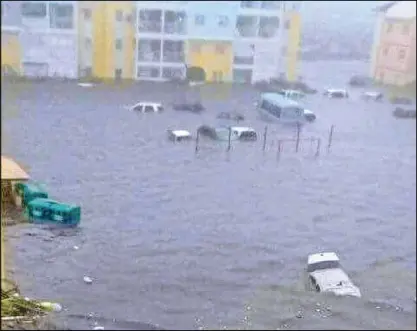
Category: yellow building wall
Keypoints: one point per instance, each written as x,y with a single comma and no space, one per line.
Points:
104,19
11,51
212,57
293,47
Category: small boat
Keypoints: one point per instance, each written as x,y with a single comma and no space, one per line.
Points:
326,275
179,135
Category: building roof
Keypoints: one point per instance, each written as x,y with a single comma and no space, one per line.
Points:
10,170
402,10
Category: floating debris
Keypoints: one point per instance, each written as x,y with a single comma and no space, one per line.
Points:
51,306
98,327
299,314
75,247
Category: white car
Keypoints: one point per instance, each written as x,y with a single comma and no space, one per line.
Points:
336,94
309,115
326,275
147,107
179,135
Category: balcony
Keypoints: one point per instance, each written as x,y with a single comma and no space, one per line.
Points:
268,27
149,50
150,21
246,26
175,23
173,73
270,4
249,4
174,51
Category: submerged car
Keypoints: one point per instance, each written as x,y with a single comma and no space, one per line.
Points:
401,112
336,93
375,96
292,94
309,115
179,135
326,275
194,107
223,133
147,107
231,116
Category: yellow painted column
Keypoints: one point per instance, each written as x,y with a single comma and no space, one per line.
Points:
293,46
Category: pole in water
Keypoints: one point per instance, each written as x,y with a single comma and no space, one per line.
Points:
265,134
297,142
279,149
197,140
229,145
329,144
318,146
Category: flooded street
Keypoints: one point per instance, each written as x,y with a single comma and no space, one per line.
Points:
215,239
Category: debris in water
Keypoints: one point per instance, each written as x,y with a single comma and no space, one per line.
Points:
299,314
52,306
87,280
75,247
98,327
378,307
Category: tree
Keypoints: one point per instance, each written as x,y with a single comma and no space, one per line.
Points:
196,74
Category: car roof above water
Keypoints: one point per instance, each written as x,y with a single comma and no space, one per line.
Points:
279,100
321,257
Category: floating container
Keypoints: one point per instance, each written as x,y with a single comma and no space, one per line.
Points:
26,192
47,211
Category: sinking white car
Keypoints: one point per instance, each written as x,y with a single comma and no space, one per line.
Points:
326,275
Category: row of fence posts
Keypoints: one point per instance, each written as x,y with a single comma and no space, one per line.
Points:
280,141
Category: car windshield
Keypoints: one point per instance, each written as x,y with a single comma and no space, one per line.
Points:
323,265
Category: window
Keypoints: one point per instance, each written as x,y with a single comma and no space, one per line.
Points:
389,27
87,72
401,54
217,76
148,72
119,44
323,265
119,15
33,9
88,42
134,43
86,13
118,73
223,21
199,19
220,48
149,109
271,108
406,29
61,16
287,24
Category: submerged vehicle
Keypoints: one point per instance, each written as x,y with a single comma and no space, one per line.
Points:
231,116
194,107
326,275
179,135
336,93
223,133
147,107
277,108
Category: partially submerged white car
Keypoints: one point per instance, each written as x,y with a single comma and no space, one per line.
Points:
336,93
179,135
326,275
147,107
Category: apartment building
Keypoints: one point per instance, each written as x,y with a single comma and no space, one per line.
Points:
48,38
242,41
10,37
106,39
393,58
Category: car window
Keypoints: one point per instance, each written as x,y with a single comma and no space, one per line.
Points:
323,265
160,108
148,109
138,108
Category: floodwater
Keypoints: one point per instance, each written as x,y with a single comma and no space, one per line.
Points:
215,239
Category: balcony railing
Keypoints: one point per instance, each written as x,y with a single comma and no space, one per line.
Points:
175,28
150,26
248,60
174,56
152,56
246,31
